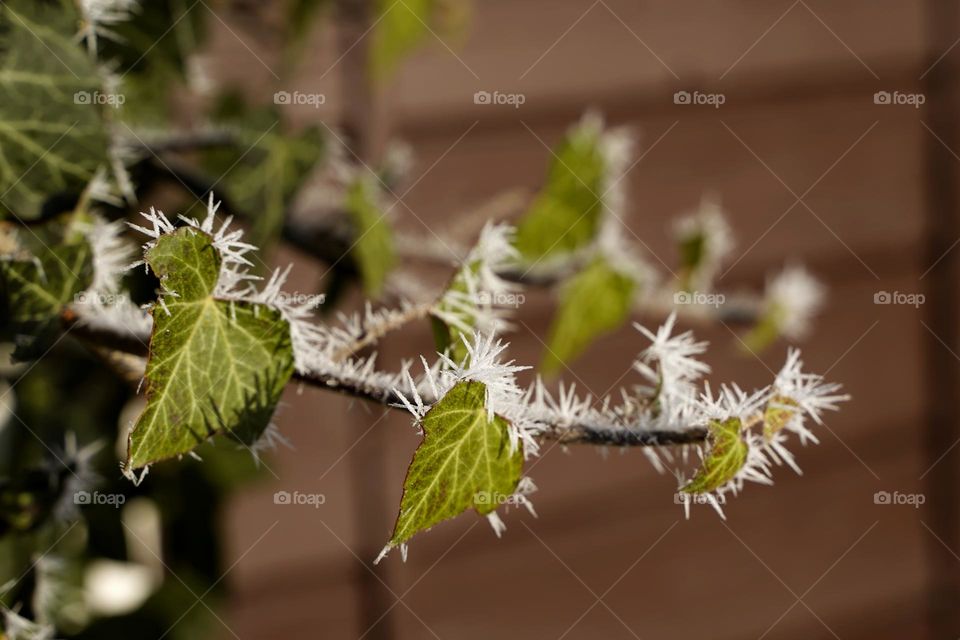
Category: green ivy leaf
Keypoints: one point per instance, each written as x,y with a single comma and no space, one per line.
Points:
42,269
566,214
448,337
215,366
595,302
765,332
727,455
266,167
373,244
52,134
464,461
692,249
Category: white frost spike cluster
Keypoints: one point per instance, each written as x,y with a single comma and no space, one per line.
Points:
234,281
503,396
103,305
111,253
671,366
480,306
100,189
794,297
810,393
621,254
233,273
730,402
709,223
617,149
100,15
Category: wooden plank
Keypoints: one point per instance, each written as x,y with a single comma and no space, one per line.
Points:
550,51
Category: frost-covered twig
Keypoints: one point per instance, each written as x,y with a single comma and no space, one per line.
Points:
670,410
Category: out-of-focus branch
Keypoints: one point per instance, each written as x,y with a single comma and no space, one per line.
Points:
329,239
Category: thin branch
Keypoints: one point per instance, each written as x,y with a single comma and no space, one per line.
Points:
374,333
102,338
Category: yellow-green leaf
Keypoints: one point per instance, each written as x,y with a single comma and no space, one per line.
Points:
566,214
727,455
215,366
464,461
595,302
449,337
373,243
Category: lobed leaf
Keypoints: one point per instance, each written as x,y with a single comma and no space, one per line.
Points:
52,133
595,302
215,366
464,461
727,455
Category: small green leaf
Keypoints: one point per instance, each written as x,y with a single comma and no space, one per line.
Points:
215,366
464,461
692,254
373,241
42,269
777,414
52,133
595,302
449,337
727,455
566,214
765,332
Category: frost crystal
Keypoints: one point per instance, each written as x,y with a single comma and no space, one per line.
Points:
671,366
100,15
